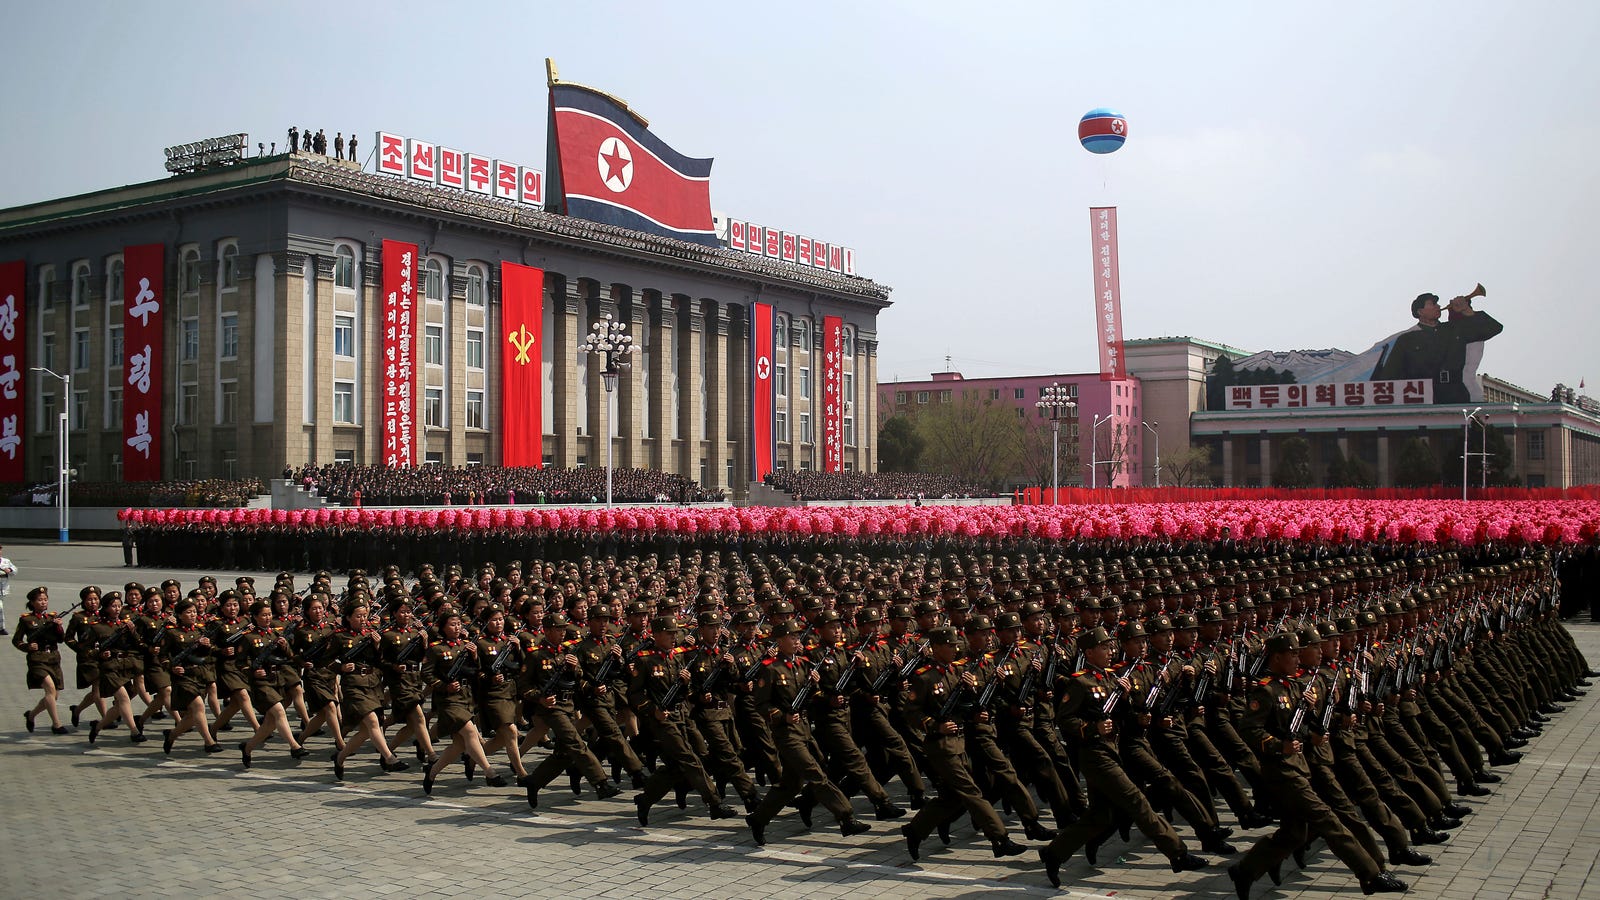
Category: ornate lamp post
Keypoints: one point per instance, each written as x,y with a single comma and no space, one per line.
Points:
1094,451
610,338
1153,426
1466,434
1055,398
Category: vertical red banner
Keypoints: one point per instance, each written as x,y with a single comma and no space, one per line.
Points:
1107,292
761,350
399,362
13,362
144,301
832,394
521,378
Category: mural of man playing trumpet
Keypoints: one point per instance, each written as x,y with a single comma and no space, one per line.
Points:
1439,351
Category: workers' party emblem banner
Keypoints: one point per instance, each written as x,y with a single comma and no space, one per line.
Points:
522,382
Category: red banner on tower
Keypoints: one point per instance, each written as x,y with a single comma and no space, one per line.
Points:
522,384
399,381
761,390
1107,292
144,301
832,394
13,362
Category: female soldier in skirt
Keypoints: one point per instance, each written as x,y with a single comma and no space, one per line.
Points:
310,646
232,681
39,635
353,656
151,622
497,694
268,663
452,700
186,652
77,637
116,642
402,648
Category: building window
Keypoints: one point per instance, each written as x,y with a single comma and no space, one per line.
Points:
188,403
475,291
344,457
781,333
114,282
80,349
847,343
802,334
191,270
80,409
433,407
113,408
1536,445
944,396
805,383
47,412
344,267
344,402
922,396
474,459
344,336
80,286
47,350
781,427
475,348
780,380
230,335
230,266
228,403
849,385
805,428
190,340
433,281
433,345
849,431
433,458
474,409
1019,393
899,398
114,347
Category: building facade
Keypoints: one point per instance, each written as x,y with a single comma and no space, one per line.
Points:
272,329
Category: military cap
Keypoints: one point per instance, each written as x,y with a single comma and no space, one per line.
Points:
902,611
556,620
1282,642
781,608
957,604
787,628
926,608
1063,610
638,608
1089,603
1008,620
664,623
869,615
828,617
1184,621
1032,608
708,619
944,635
979,623
1130,631
1308,634
1157,625
1094,637
746,616
1210,615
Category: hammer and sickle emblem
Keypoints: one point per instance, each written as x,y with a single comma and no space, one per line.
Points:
523,340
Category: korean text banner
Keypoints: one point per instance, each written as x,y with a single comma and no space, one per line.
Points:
522,384
1107,292
399,363
761,338
13,362
144,301
832,394
609,168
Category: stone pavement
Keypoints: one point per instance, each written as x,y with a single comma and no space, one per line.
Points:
121,820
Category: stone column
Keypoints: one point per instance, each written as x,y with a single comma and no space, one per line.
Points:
322,361
630,386
601,424
659,319
716,369
1385,471
739,344
867,390
290,312
567,303
1227,459
1266,460
690,322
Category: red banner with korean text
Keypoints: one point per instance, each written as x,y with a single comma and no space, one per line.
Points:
1107,292
13,362
521,379
832,394
144,301
761,350
1341,394
399,378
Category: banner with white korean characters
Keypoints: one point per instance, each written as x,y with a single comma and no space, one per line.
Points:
1343,394
13,362
399,379
1107,292
144,301
832,394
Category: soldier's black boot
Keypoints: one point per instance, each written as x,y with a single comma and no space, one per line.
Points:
1189,863
944,832
605,790
644,809
1052,866
758,830
1007,847
751,801
1384,883
917,800
722,811
1214,842
1276,873
680,793
1241,883
1427,835
805,804
1410,857
1037,832
853,826
913,846
887,811
575,781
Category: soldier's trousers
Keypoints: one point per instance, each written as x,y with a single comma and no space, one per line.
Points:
759,749
832,733
1048,737
957,791
570,751
1422,767
1219,775
1326,785
1233,747
1370,795
1111,791
873,724
1302,813
1034,764
609,740
679,762
713,740
1379,757
985,754
1165,789
801,770
1173,752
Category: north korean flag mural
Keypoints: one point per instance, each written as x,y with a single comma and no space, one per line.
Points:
761,349
522,394
609,168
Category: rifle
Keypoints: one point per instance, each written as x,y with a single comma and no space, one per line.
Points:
1325,722
1030,681
754,669
464,664
891,675
357,651
268,657
40,630
914,662
118,639
952,700
847,676
718,674
410,649
512,652
193,652
802,696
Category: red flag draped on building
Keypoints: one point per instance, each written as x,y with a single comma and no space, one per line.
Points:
832,393
522,382
761,350
398,381
13,362
1107,292
144,302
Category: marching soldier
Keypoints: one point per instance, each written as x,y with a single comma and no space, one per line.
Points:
660,708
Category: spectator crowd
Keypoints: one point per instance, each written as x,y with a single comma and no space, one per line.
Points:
207,492
472,485
811,485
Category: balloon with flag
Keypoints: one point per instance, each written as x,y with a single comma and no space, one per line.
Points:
1102,130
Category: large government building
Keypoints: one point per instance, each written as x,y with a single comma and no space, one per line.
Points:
272,331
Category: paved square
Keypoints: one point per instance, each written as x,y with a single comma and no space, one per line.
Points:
120,820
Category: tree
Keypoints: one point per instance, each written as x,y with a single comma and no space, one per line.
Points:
1037,462
1338,469
899,445
1293,469
1191,468
1417,465
978,441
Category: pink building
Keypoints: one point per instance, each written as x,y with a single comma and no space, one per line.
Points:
1118,448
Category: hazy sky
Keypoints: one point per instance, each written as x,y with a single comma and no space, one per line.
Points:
1295,173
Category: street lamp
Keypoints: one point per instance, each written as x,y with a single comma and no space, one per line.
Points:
1153,426
610,338
1466,434
1094,451
1483,451
1515,414
1055,398
63,454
